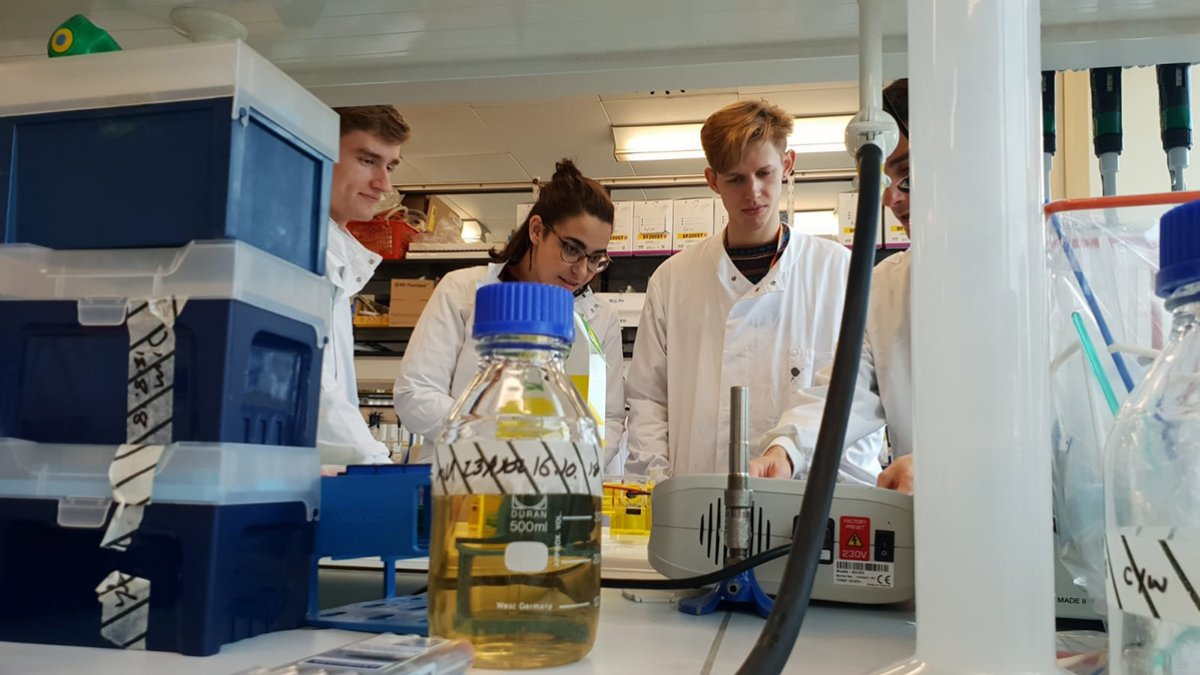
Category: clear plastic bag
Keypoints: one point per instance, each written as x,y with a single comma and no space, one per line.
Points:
1101,260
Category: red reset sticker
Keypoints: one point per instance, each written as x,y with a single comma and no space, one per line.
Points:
855,540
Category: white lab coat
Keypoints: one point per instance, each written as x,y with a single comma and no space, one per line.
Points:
706,328
883,392
441,357
342,434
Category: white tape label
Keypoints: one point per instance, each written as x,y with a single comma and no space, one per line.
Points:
125,609
517,467
1154,572
131,475
149,398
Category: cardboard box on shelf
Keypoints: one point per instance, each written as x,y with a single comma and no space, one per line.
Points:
523,210
430,205
846,213
693,222
409,297
368,313
720,216
622,234
893,231
652,226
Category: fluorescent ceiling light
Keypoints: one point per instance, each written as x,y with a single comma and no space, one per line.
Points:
682,141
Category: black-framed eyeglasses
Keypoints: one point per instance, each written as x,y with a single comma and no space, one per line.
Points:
572,253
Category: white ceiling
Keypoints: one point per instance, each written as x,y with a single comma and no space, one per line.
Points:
479,142
500,89
427,51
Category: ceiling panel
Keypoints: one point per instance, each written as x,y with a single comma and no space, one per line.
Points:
541,133
448,130
822,161
614,41
473,168
678,193
810,101
665,109
594,160
406,173
670,167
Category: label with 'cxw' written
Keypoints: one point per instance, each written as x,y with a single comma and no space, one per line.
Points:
1154,573
488,466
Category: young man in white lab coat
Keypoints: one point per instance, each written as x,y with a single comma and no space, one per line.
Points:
756,305
883,393
371,137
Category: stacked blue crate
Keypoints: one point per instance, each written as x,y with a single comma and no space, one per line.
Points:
159,147
178,197
223,545
248,341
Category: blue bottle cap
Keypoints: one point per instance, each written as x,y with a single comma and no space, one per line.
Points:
518,308
1178,248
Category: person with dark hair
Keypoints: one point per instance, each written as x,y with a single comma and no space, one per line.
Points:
883,394
368,152
563,242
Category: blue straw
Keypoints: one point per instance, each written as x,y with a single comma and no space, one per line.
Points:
1094,306
1093,360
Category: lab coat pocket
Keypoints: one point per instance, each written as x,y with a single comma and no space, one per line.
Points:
801,367
792,376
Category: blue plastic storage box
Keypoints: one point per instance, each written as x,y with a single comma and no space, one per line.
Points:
224,544
248,343
159,147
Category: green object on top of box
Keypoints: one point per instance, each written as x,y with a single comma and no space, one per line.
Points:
78,35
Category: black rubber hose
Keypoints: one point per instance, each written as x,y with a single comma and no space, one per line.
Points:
714,577
774,645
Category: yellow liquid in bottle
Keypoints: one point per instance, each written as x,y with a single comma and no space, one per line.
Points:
543,614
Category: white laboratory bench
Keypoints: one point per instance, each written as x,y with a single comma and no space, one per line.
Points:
634,637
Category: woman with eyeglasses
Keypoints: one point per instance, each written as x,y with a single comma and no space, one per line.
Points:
563,242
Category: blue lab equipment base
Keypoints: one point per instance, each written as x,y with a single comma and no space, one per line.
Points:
217,573
374,510
739,591
242,375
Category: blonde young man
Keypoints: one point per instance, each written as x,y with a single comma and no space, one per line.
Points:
371,137
756,305
883,393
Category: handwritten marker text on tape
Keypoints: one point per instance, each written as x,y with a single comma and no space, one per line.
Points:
125,609
517,467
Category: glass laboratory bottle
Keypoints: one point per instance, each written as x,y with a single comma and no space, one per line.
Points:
515,550
1152,482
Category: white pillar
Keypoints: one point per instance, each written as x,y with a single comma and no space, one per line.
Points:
985,598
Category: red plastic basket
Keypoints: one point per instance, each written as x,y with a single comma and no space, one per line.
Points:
389,237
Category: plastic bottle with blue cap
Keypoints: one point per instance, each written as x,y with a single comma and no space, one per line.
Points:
1152,481
515,550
